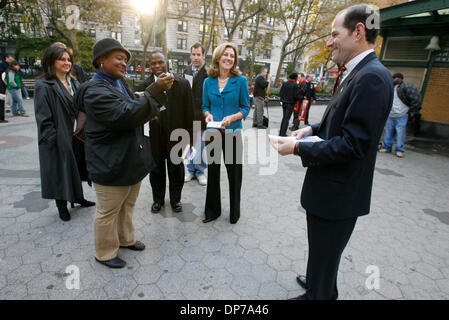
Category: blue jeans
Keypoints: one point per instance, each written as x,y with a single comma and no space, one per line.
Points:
395,126
25,92
197,166
16,106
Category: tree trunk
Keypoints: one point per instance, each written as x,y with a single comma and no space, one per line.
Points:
144,56
253,49
212,29
203,32
281,61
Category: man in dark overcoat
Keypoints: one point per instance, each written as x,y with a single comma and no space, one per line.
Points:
178,114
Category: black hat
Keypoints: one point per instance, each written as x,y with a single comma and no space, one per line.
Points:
105,46
398,75
293,75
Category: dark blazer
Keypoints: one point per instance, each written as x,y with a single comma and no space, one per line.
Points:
178,115
309,89
197,90
290,92
340,170
55,116
116,152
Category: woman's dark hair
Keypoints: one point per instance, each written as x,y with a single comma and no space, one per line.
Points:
361,13
52,54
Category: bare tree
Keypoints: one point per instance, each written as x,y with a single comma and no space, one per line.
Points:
241,12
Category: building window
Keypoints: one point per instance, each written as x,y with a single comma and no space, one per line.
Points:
92,33
270,21
240,49
240,33
253,20
226,33
116,35
183,7
250,34
204,28
207,11
269,38
182,44
182,26
230,14
272,6
249,52
267,54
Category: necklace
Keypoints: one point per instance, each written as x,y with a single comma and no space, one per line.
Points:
223,80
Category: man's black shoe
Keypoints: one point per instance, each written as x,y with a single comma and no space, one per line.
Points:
115,263
302,281
138,246
156,207
176,207
293,129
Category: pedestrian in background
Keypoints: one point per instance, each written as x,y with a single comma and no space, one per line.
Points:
290,95
225,99
302,88
196,73
55,116
14,86
310,95
260,97
4,65
407,100
117,157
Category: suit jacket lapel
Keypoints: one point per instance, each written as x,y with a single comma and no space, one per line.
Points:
345,83
229,84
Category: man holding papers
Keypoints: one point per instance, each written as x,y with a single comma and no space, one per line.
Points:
337,186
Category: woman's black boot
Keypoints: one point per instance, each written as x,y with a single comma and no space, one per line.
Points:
62,209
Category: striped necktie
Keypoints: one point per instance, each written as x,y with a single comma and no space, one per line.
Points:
338,80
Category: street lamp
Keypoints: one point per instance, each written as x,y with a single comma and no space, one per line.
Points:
51,31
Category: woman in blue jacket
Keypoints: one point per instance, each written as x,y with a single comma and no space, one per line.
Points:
225,99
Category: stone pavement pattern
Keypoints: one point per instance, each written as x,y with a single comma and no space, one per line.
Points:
406,235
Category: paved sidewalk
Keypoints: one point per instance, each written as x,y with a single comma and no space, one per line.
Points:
406,236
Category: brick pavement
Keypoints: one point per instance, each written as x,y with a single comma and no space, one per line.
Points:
405,236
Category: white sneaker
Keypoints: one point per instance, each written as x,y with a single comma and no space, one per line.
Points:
202,180
188,177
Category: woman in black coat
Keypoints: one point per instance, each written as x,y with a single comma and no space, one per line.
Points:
55,117
116,153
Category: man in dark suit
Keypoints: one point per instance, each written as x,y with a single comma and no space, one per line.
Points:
196,73
290,95
337,186
178,115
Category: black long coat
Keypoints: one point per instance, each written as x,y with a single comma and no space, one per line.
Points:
55,117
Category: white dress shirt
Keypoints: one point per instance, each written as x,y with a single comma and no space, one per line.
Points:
354,62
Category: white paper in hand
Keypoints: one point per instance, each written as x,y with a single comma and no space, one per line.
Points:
215,125
311,139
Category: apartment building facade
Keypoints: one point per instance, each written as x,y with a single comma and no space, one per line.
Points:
184,26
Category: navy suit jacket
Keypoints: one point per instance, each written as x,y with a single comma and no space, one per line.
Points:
339,177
